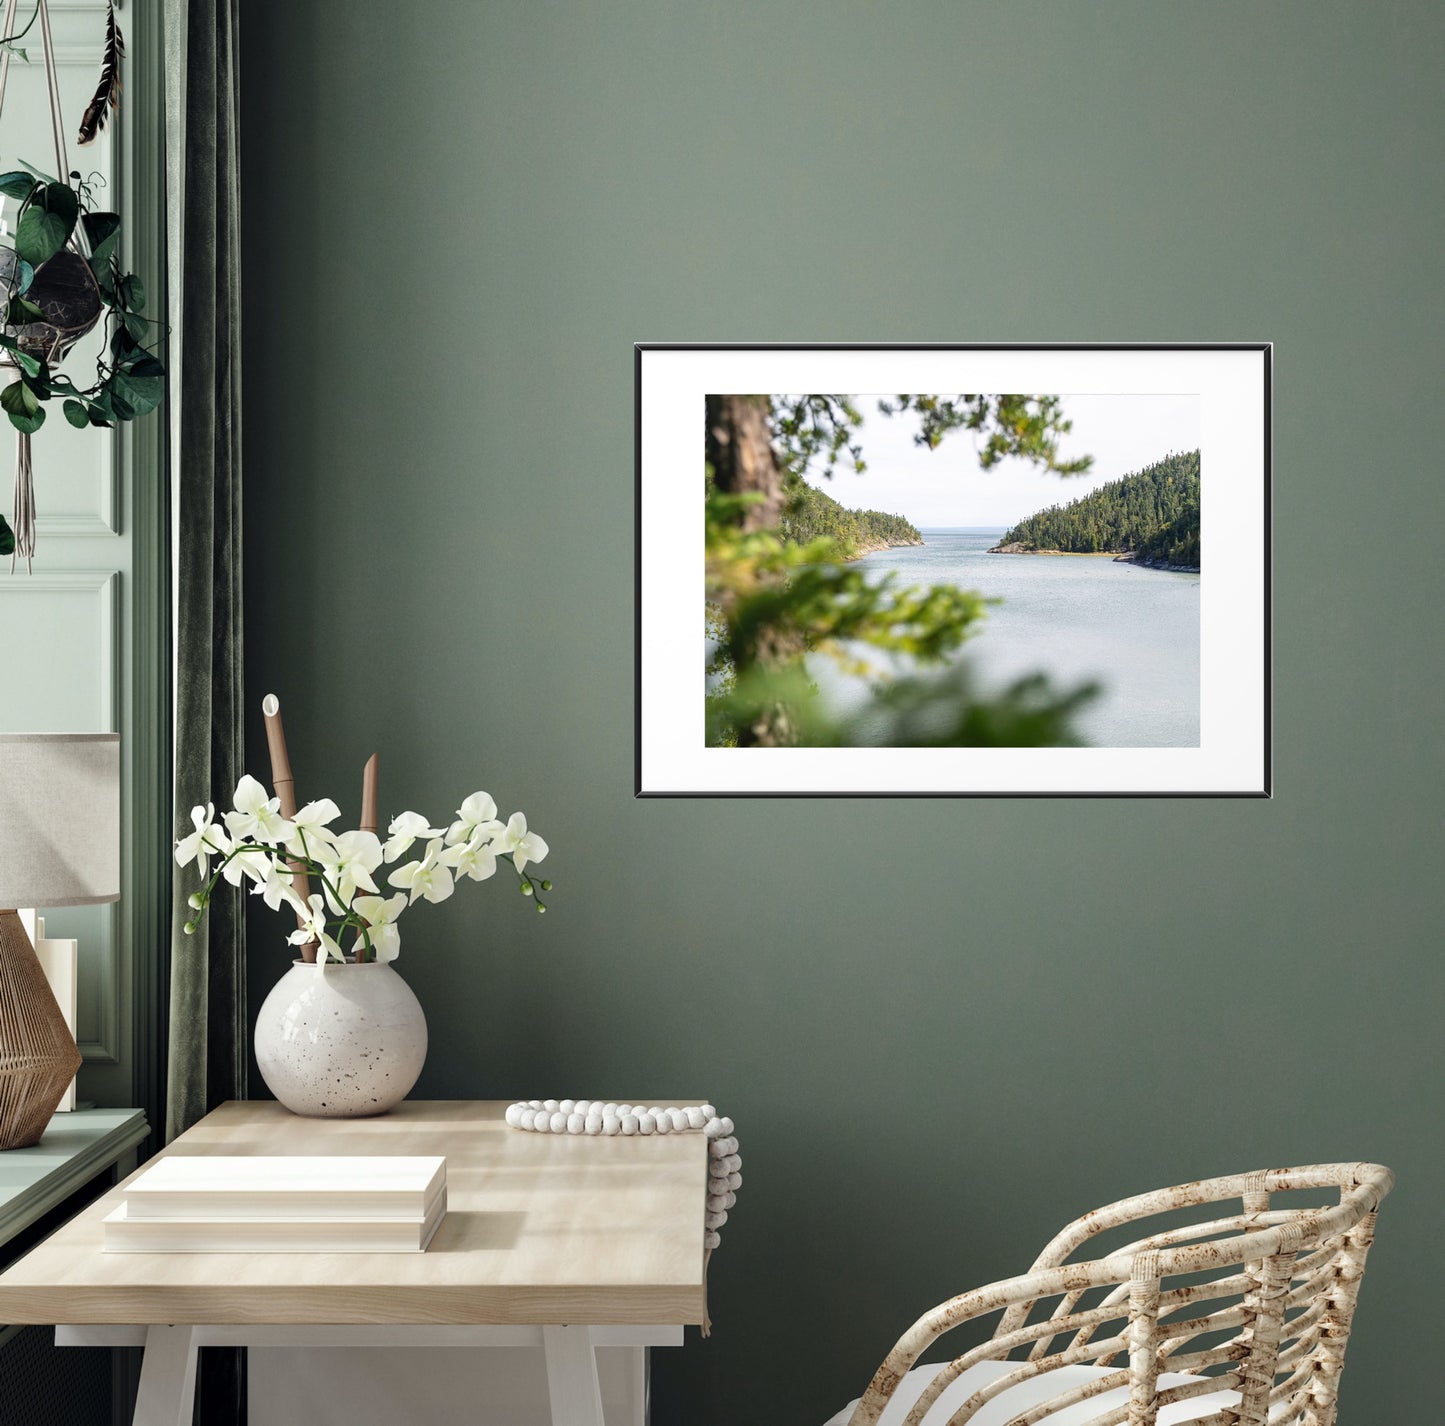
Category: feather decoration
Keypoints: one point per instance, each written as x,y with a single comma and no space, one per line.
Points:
107,92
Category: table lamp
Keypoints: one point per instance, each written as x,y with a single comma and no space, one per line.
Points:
59,846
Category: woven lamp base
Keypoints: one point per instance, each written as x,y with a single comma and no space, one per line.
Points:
38,1056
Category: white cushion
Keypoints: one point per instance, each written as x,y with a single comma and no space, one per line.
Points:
1030,1393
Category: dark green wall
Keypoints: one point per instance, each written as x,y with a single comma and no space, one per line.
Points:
921,1014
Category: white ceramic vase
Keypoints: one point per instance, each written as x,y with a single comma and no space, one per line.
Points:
340,1041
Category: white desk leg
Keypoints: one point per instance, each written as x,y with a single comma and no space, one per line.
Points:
571,1376
167,1395
635,1366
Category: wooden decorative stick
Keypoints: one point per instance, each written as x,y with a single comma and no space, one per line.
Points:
369,817
285,786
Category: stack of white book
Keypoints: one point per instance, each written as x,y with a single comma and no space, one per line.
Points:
232,1204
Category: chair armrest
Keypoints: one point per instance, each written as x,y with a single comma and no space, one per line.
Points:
1008,1292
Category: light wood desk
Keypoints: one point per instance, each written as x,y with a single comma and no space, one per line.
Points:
564,1242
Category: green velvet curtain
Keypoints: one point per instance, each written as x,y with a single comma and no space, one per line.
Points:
208,1023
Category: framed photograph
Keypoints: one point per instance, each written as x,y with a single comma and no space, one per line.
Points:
959,571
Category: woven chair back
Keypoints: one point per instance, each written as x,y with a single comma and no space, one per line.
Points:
1242,1292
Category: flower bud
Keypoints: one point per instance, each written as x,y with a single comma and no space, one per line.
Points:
195,901
546,886
528,889
189,928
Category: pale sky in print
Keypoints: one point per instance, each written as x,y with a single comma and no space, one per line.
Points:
946,486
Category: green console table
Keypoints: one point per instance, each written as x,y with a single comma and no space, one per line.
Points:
74,1150
80,1148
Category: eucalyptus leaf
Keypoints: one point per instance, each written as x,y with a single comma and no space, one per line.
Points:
46,225
76,414
16,184
102,232
39,380
25,412
41,234
145,364
19,400
105,280
7,538
62,200
121,407
20,313
38,172
140,393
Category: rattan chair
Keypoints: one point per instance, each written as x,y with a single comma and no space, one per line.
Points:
1239,1320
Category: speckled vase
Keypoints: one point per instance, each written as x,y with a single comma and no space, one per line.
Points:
340,1041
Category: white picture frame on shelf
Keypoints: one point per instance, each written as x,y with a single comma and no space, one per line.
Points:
1231,383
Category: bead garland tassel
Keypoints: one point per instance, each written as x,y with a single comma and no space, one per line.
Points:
593,1116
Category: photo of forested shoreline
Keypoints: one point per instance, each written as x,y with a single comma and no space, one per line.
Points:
862,589
1150,517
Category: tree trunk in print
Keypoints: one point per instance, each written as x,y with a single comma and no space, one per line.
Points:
740,450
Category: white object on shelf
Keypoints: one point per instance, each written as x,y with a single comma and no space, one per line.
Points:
318,1188
125,1233
59,959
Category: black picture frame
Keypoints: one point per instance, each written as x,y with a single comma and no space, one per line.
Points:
682,465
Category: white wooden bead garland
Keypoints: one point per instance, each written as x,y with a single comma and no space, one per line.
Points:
592,1116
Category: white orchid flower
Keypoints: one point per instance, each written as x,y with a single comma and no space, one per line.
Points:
475,859
427,878
313,928
256,847
278,888
247,861
202,844
476,817
349,861
311,829
524,846
380,914
404,830
257,817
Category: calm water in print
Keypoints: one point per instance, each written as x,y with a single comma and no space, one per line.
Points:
1075,617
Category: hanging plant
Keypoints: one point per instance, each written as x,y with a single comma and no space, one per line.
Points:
53,296
59,278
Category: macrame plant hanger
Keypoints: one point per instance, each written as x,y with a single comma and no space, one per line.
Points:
24,518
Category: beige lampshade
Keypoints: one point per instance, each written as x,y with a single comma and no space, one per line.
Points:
59,819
